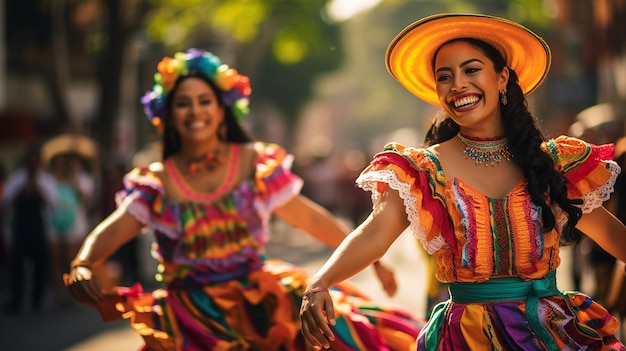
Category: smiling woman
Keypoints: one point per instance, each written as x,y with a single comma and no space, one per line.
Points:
488,196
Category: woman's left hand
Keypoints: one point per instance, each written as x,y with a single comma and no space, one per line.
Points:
386,278
317,315
83,285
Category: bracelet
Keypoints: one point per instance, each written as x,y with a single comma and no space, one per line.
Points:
80,263
313,291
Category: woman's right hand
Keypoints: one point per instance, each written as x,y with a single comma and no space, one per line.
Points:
317,315
386,277
84,286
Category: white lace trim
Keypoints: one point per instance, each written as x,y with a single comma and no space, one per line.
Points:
266,207
368,181
597,197
592,199
144,215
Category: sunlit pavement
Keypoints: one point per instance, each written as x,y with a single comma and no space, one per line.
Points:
79,328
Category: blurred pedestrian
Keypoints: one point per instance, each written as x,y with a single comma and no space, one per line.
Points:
69,223
491,199
588,258
28,197
209,203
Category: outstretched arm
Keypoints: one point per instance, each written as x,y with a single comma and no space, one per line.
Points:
305,214
365,244
606,230
117,229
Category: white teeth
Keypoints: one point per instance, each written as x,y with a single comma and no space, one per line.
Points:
465,101
197,124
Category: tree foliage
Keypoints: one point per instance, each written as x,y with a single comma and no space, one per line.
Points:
281,45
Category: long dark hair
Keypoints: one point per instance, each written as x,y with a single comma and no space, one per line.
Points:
171,139
525,141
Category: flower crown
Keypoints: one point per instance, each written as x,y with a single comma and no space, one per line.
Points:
234,88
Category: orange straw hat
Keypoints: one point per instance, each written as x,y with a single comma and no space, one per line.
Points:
410,54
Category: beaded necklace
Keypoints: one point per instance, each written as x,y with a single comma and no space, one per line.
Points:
204,164
488,151
193,195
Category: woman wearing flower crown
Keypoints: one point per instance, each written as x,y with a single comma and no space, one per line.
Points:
209,204
488,196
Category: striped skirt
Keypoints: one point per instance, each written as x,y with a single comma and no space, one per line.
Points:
258,313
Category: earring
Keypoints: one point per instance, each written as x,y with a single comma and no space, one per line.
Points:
503,98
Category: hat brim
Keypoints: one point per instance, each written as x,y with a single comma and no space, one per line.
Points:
410,54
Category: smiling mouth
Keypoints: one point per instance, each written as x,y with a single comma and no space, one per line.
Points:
466,102
196,124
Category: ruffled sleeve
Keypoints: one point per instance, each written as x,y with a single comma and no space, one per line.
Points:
589,169
144,197
418,177
274,182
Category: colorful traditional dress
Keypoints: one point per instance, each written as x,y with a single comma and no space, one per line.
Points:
499,263
220,290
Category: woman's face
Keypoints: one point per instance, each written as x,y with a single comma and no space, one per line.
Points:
468,85
196,111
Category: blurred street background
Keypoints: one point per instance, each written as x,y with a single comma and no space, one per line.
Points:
72,74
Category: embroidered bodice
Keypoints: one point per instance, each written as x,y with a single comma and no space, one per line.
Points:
474,237
215,237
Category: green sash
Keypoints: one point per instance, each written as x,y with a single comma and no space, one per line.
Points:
498,290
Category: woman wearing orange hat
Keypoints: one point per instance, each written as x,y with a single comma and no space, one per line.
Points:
489,197
209,203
